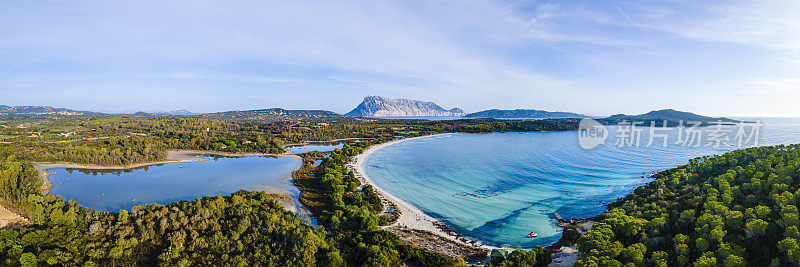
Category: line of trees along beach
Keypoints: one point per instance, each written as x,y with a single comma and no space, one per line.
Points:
737,209
350,214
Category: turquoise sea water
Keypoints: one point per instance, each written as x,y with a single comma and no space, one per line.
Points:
114,190
498,187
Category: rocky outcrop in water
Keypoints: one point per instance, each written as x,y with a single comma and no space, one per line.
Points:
376,106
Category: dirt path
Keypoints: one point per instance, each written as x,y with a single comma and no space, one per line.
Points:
8,218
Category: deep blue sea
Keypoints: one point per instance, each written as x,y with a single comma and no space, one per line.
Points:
498,187
115,190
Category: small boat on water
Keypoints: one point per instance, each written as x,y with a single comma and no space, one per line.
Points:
532,234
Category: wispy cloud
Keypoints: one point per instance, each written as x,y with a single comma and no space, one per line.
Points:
772,24
387,39
584,56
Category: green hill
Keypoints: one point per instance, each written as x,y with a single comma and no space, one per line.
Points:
41,112
670,115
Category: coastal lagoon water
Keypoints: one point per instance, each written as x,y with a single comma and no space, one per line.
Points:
308,148
498,187
115,190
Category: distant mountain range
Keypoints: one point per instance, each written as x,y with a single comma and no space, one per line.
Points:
273,114
40,110
376,106
176,112
372,106
159,113
523,114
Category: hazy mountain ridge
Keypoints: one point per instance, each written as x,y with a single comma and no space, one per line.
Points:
160,113
272,114
376,106
372,106
40,110
523,113
180,112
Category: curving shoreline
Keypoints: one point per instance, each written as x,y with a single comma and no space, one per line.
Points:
173,156
410,217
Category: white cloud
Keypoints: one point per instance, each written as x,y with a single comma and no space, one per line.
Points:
582,56
773,24
408,44
783,86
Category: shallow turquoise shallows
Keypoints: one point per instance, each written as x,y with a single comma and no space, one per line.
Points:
105,190
498,187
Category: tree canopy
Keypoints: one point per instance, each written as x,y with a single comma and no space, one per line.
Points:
735,209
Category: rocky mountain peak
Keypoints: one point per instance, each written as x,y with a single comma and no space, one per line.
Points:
377,106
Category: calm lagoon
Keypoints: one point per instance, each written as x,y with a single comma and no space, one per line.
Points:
115,190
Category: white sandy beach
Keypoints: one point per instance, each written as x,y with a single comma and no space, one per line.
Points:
410,216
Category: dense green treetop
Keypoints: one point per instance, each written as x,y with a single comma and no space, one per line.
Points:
736,209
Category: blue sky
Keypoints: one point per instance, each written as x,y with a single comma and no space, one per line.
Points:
731,58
